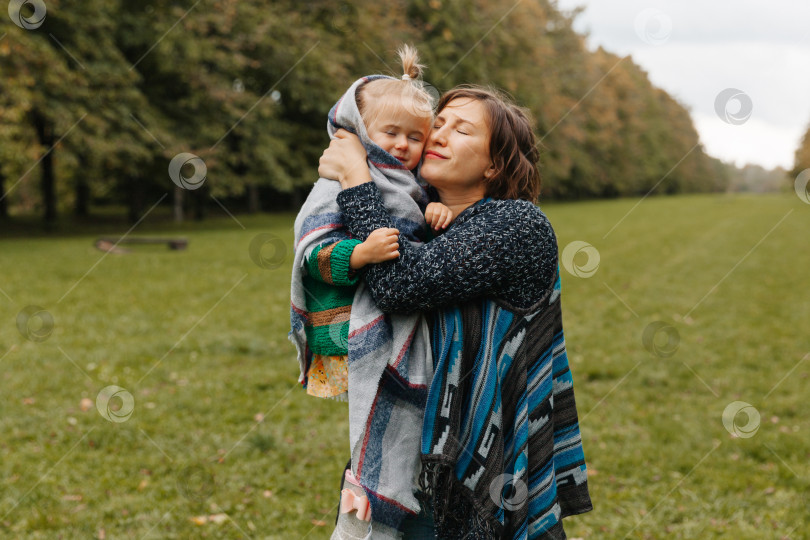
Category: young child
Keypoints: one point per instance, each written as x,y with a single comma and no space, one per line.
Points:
393,118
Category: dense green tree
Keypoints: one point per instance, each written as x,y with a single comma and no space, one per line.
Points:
802,158
98,100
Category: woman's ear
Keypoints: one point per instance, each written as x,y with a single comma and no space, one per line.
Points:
490,172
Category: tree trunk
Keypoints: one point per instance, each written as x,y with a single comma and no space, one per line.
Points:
178,204
298,198
200,199
82,205
3,197
44,131
253,198
82,198
135,192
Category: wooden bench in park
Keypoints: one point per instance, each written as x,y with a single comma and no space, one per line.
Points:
112,244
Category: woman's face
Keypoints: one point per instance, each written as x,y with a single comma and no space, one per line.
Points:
457,151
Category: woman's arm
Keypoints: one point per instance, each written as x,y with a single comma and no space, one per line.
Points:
488,248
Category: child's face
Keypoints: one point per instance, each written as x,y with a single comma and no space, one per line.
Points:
400,133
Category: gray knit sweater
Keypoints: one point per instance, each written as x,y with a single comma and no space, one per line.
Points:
502,249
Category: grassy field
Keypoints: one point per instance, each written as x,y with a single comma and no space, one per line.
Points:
221,442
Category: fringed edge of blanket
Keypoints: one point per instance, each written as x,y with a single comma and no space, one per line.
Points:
456,513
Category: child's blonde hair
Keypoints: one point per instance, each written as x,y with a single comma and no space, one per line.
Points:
374,95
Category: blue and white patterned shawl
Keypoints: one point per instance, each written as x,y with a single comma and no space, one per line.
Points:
501,442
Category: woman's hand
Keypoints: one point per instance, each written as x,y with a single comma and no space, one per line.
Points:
345,160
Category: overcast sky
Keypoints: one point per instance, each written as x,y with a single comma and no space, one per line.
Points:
697,49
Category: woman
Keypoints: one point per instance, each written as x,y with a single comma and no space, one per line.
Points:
501,450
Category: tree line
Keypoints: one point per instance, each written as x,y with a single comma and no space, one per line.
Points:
98,99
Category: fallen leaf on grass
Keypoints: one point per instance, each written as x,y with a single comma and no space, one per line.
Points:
212,518
79,508
318,523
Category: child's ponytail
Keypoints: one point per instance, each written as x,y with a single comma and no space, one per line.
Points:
410,91
411,68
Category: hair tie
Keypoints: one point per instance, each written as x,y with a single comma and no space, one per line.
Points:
406,77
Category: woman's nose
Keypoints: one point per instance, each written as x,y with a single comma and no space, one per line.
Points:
437,136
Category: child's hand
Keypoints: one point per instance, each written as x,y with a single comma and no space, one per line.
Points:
380,246
438,216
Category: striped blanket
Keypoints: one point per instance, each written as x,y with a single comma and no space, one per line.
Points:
390,363
501,443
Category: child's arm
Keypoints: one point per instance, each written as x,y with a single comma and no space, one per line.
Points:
330,262
380,246
438,216
335,263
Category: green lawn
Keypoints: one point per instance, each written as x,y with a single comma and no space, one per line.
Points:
220,431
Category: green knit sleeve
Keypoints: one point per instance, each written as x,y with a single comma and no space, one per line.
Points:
330,263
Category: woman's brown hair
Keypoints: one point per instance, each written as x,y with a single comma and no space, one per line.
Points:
512,144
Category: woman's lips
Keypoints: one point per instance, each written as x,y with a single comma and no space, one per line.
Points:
430,154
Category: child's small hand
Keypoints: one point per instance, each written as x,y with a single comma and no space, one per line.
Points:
380,246
438,216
